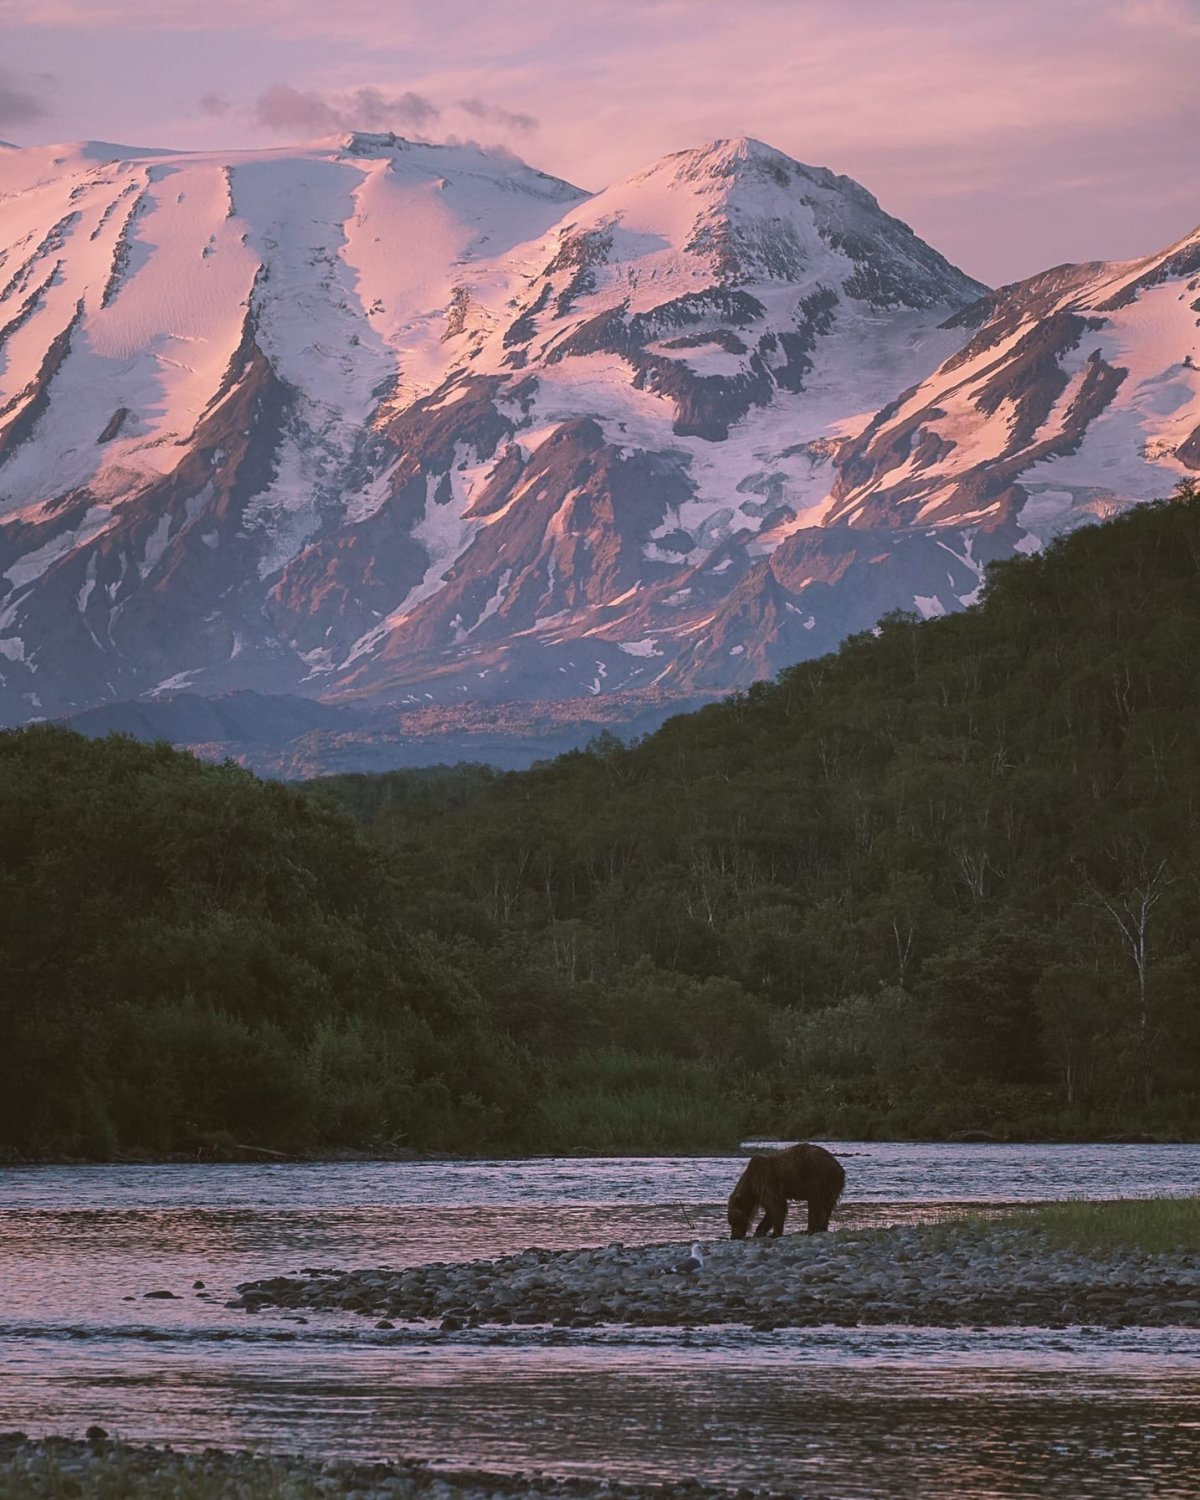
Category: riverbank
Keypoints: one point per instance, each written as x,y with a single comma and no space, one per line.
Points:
222,1154
1016,1272
105,1470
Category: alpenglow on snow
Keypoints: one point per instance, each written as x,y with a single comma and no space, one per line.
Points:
388,424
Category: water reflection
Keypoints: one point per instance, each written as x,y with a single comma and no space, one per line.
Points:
831,1411
884,1171
80,1264
846,1419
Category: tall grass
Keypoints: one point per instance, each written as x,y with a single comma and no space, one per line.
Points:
1154,1225
610,1100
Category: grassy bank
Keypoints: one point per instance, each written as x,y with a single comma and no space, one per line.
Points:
609,1101
1154,1225
1117,1226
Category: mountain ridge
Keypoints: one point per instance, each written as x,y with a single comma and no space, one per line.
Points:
397,425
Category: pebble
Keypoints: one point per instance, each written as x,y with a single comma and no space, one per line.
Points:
973,1276
98,1465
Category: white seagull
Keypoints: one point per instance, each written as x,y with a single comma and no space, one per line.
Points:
693,1263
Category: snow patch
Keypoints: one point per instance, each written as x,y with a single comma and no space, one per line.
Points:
34,564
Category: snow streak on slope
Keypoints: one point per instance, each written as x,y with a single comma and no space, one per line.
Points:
150,302
396,423
680,358
1077,394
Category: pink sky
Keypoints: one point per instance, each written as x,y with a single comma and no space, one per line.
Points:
1011,134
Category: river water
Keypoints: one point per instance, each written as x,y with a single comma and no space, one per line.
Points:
832,1411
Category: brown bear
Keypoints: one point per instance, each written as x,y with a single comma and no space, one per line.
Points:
804,1173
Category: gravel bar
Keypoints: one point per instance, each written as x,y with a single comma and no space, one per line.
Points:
99,1467
969,1275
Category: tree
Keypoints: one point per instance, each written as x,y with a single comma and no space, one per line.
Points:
1130,908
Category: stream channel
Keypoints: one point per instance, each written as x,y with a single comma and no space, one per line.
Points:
834,1411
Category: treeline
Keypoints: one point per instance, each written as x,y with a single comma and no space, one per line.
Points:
192,958
942,880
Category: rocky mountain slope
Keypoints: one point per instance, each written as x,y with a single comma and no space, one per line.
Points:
404,427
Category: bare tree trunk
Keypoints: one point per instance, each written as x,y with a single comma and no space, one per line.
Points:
1131,913
904,947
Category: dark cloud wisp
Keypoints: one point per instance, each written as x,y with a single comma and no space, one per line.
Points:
296,112
493,114
19,105
299,113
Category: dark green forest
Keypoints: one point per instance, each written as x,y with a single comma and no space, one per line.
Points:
945,880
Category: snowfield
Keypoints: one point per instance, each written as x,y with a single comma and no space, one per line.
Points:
385,421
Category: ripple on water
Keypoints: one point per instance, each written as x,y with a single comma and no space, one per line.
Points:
883,1413
883,1171
871,1411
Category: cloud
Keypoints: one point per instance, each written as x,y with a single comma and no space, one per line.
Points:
493,114
292,111
19,105
1012,135
1180,17
371,107
289,111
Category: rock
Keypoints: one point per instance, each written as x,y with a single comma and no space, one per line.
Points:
982,1275
160,1296
99,1465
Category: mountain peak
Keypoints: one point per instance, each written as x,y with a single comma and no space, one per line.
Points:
741,211
746,158
732,149
374,142
376,419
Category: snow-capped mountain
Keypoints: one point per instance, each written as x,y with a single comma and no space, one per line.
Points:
387,423
658,403
192,352
1077,393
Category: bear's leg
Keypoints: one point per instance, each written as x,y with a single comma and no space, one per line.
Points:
818,1216
764,1226
776,1212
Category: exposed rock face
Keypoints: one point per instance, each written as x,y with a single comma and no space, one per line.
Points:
390,424
1075,396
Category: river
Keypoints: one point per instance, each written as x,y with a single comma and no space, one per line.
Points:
831,1411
